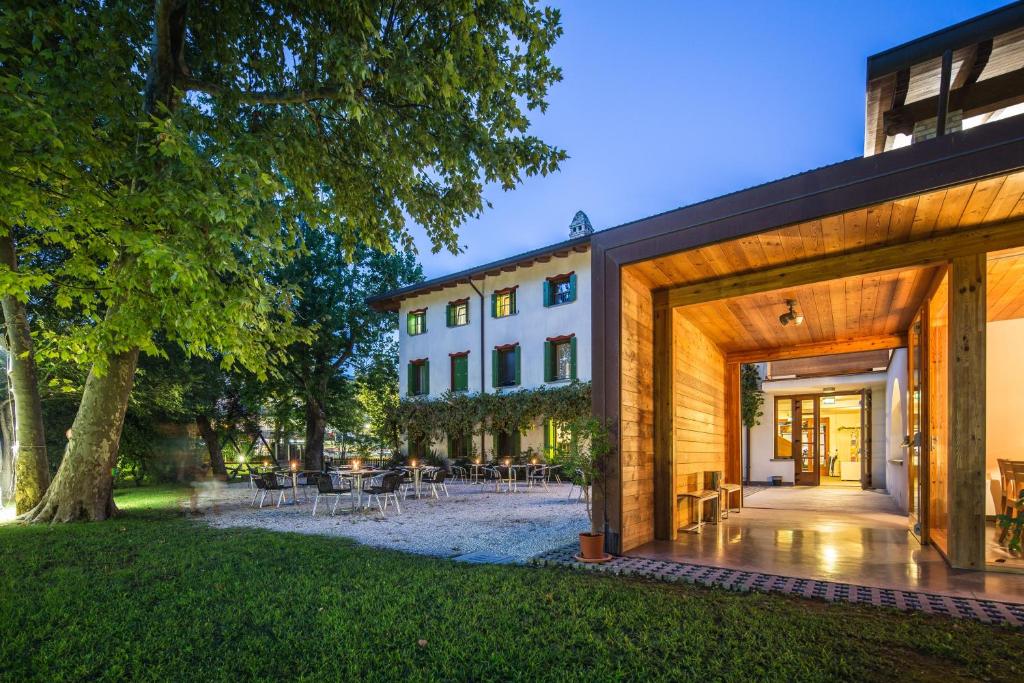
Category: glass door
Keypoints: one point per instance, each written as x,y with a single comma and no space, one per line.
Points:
805,442
916,440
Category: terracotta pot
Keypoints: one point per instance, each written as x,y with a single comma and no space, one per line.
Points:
591,546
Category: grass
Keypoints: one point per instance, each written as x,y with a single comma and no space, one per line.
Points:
152,595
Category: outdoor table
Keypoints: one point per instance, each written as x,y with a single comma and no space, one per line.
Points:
417,476
357,477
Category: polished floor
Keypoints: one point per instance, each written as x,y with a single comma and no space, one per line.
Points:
832,534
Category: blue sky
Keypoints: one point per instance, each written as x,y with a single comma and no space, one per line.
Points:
666,103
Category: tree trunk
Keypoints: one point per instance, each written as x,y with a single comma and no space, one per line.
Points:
316,425
83,487
32,469
6,453
212,440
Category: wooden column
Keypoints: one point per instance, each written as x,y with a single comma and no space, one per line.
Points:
665,527
733,425
966,492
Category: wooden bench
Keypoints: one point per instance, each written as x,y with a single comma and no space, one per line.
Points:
727,490
698,498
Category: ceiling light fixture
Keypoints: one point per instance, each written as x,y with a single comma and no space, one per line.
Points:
791,316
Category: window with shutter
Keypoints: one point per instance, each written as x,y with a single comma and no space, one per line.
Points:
560,289
460,371
416,322
503,303
457,313
560,358
419,377
505,366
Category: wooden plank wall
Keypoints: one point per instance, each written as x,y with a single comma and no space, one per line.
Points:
700,408
636,447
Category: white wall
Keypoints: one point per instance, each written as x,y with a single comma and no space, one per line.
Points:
1004,400
896,402
530,327
762,437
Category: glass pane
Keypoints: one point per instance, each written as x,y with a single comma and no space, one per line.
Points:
783,428
508,367
462,314
562,291
938,401
563,360
807,435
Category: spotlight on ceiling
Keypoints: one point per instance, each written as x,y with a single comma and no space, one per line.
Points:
791,316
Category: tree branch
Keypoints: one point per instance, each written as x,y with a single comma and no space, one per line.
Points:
268,97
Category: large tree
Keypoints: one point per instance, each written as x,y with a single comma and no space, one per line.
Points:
347,335
172,146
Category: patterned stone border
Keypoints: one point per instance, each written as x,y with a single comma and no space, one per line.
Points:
987,611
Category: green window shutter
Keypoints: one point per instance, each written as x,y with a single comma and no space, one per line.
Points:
572,358
517,357
460,373
426,377
448,314
512,310
547,292
515,442
408,323
410,378
547,438
549,361
494,368
494,305
572,287
423,327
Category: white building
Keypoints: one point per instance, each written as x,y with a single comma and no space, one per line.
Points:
518,323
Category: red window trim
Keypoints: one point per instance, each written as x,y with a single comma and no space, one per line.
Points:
564,276
458,354
507,290
418,361
459,301
563,338
506,347
418,310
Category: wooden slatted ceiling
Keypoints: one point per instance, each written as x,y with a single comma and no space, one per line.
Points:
868,306
964,206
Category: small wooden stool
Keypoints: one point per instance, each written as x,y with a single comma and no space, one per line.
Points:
726,490
699,497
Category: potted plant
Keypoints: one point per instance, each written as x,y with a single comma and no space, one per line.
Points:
587,452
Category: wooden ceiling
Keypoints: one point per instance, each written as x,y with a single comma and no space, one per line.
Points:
905,220
874,305
846,309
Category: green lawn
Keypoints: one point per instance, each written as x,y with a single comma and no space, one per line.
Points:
153,595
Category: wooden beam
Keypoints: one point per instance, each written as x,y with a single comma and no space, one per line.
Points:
966,485
942,110
665,527
932,251
828,348
733,425
972,99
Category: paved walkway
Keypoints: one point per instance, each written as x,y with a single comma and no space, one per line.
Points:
988,611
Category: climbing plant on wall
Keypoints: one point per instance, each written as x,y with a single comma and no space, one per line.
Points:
462,415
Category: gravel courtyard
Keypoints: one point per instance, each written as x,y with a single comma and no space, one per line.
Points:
473,519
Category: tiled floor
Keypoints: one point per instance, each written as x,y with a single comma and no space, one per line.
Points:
840,535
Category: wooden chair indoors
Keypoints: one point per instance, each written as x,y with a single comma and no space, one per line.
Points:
1012,474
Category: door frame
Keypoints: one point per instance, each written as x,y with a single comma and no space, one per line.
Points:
865,455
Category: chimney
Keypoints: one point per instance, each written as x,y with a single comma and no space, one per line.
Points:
580,226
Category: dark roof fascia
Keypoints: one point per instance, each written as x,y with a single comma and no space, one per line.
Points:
953,37
992,149
388,300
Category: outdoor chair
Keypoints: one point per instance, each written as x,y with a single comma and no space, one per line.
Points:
494,475
325,487
271,483
554,472
256,481
538,476
435,480
579,481
388,488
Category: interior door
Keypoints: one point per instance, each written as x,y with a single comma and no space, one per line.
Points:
916,453
805,442
865,439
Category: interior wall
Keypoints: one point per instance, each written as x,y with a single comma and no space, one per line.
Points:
636,412
896,430
699,423
1004,404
